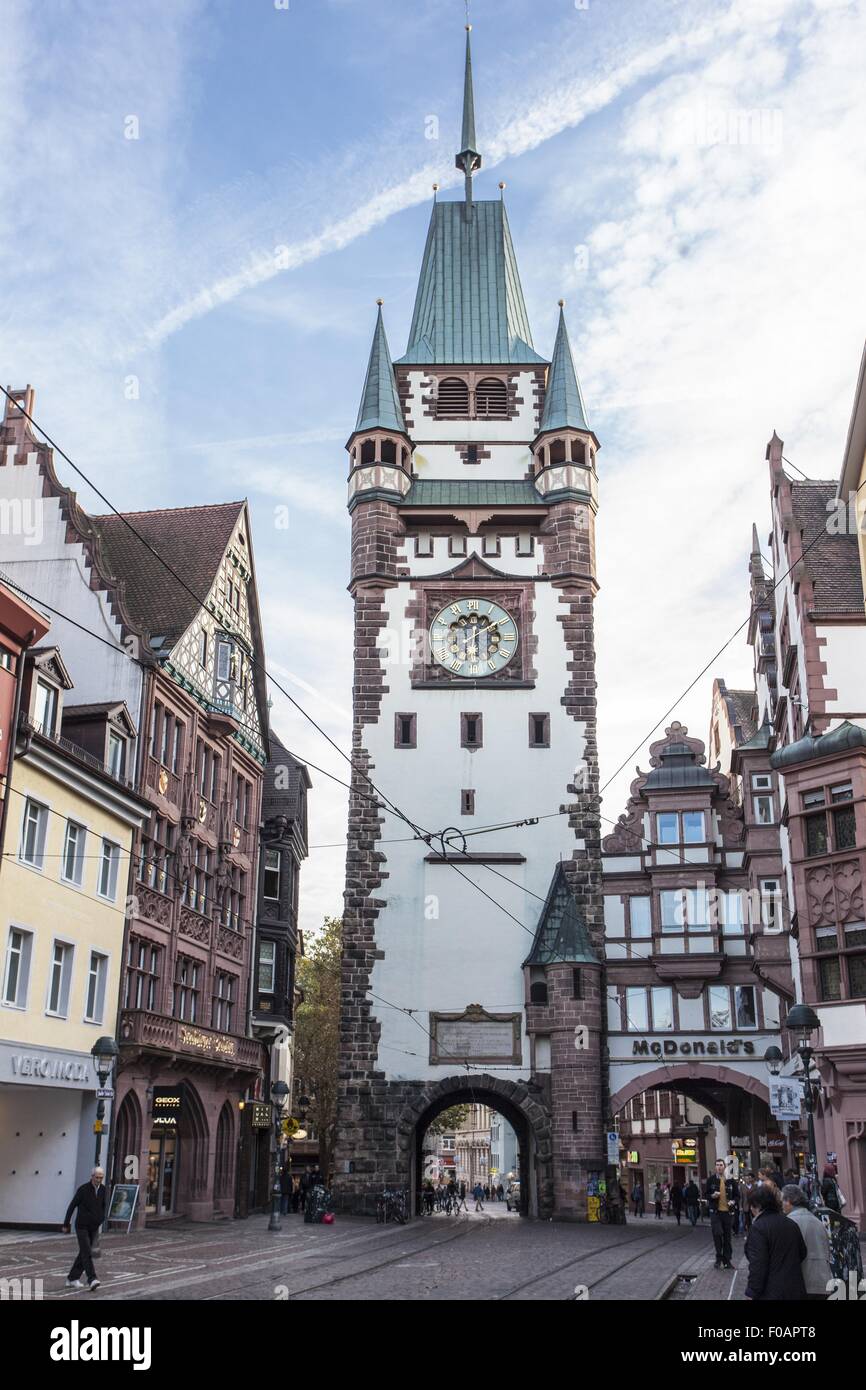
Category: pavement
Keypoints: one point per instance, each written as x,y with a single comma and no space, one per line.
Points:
492,1255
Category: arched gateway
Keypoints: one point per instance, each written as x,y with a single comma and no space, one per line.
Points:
528,1117
472,956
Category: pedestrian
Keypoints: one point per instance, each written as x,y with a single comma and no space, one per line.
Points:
816,1266
658,1199
486,1192
500,1193
638,1198
775,1251
285,1188
831,1193
666,1197
767,1178
746,1188
692,1196
677,1201
463,1191
296,1195
478,1194
721,1193
89,1201
429,1197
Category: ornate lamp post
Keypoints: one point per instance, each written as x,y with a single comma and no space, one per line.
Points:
104,1052
803,1022
279,1091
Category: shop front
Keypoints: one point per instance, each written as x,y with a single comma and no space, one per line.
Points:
179,1119
47,1143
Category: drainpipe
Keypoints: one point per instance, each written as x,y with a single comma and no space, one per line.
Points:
4,813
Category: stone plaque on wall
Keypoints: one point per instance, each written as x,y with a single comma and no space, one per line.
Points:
475,1036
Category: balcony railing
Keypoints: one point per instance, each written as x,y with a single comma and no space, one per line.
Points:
81,755
165,1034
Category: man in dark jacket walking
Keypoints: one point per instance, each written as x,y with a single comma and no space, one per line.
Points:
775,1251
89,1200
722,1196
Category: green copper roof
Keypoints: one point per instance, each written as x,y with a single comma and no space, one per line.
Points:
562,935
843,739
563,402
469,306
380,405
448,492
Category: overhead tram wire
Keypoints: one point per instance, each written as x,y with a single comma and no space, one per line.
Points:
16,405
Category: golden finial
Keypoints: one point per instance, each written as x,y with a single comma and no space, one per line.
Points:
561,303
502,184
380,302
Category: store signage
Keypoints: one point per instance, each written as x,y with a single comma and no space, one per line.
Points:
167,1106
776,1143
215,1043
713,1047
260,1115
633,1156
685,1150
54,1069
741,1141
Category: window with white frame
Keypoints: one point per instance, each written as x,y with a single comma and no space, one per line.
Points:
97,974
771,904
693,827
72,868
684,909
745,1006
720,1007
763,809
732,912
267,966
116,754
33,831
662,1008
271,874
59,979
668,828
16,967
640,917
636,1011
733,1006
45,707
109,861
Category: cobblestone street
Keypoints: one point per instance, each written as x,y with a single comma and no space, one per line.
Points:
467,1258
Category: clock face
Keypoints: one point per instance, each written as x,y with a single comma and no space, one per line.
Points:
473,637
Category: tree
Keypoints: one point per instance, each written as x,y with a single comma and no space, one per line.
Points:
448,1120
317,1032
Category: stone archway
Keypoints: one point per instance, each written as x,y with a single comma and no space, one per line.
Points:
522,1108
689,1071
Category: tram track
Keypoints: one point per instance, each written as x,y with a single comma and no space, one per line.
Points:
583,1260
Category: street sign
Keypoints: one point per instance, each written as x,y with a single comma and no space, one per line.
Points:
612,1146
105,1093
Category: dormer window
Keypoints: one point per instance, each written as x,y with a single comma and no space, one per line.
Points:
45,707
117,754
452,399
491,400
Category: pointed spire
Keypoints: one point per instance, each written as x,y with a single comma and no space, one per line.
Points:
468,158
563,402
380,404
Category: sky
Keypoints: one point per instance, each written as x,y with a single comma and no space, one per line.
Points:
201,200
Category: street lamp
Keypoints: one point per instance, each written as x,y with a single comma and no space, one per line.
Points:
803,1022
279,1091
104,1053
774,1059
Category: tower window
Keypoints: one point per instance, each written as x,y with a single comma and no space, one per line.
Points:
471,730
467,803
471,453
525,544
405,731
556,452
538,992
576,985
539,730
489,544
452,399
491,399
456,545
389,451
368,451
424,544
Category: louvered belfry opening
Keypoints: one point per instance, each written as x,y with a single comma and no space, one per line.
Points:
452,399
491,399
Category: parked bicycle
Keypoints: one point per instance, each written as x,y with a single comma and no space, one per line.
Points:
392,1205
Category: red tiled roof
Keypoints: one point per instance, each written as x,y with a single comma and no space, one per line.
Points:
833,562
193,541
